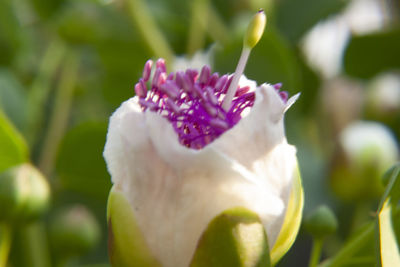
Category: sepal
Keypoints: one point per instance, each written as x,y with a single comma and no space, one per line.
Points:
236,237
126,244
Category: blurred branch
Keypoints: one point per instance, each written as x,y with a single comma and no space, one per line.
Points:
154,38
316,252
59,117
36,253
5,243
198,26
351,247
41,87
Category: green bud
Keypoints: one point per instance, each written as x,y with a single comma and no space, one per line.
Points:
74,231
24,193
255,29
366,150
321,222
234,238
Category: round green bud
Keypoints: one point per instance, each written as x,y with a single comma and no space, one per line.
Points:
255,30
24,193
73,231
321,222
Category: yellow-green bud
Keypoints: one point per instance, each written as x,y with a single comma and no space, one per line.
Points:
321,222
24,193
74,231
255,29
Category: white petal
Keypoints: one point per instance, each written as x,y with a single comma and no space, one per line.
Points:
175,191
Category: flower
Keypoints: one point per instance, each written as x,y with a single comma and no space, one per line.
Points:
178,160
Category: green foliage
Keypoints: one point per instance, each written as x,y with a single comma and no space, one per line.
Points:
13,147
80,164
294,17
371,54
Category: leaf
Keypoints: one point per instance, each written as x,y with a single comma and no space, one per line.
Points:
13,148
367,55
295,17
389,250
80,163
10,32
392,191
234,238
12,98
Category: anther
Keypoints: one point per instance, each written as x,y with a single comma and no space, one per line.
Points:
147,70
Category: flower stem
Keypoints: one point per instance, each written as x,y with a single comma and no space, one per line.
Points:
5,243
41,88
235,81
35,245
316,252
59,116
148,29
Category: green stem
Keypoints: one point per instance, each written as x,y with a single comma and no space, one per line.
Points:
147,27
5,244
41,88
316,252
351,247
59,117
36,253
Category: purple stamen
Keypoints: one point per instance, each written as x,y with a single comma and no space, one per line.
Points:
147,70
205,74
140,91
284,95
192,102
160,64
277,86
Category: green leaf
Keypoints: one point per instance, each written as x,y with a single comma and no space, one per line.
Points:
236,237
370,54
80,163
295,17
126,244
389,250
392,191
13,148
10,32
12,98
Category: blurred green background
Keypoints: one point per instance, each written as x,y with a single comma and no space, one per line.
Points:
66,65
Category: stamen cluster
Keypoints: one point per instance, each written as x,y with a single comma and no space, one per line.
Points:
192,101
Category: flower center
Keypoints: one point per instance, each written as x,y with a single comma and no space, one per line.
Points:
192,102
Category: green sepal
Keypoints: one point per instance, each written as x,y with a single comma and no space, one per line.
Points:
236,237
126,244
291,224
